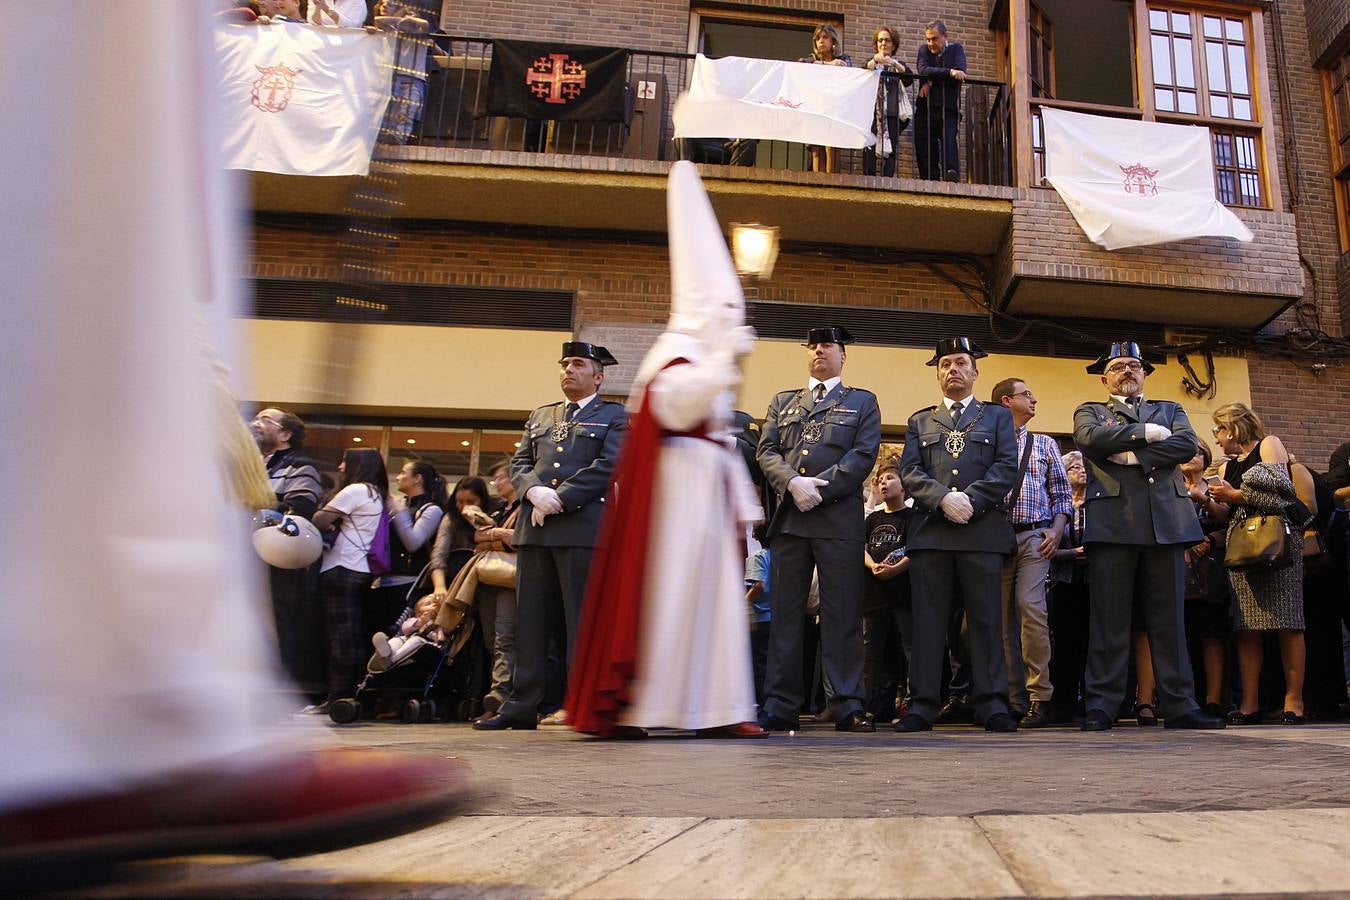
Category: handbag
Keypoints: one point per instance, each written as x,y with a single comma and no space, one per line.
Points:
905,105
497,568
1259,542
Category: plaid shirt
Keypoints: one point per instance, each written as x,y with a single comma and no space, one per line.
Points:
1045,489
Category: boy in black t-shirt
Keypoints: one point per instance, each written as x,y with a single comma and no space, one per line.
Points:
888,609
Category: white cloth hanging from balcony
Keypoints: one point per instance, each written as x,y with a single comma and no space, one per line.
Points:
1131,184
300,100
736,97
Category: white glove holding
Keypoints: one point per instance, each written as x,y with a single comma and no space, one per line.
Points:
741,340
1126,458
805,491
545,501
956,507
1154,433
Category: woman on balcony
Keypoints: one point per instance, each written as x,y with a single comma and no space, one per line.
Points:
825,51
894,109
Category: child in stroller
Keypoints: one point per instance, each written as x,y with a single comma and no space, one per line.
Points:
417,630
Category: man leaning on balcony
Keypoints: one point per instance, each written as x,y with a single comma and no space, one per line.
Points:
937,111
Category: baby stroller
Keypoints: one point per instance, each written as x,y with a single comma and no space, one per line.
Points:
417,682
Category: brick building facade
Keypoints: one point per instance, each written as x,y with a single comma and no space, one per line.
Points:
1038,264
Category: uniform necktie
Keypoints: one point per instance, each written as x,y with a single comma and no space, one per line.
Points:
957,409
570,411
819,392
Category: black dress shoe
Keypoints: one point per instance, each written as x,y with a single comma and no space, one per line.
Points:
773,723
855,722
957,710
1096,720
1001,723
1238,717
501,722
912,722
1041,715
1194,719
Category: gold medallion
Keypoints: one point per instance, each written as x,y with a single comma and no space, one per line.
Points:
812,431
559,432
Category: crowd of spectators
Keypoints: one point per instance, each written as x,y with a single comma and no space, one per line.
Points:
1265,643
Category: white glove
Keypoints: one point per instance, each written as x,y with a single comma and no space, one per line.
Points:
956,507
1127,458
537,517
1154,433
545,500
805,491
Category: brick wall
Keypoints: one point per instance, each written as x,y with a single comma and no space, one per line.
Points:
664,25
1045,241
1301,407
1327,21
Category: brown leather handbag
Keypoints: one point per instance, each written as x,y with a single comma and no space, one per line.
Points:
1259,542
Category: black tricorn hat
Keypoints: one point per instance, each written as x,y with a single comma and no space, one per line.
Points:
829,334
1120,350
588,351
948,346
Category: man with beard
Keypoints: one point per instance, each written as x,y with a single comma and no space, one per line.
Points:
959,462
1139,520
295,607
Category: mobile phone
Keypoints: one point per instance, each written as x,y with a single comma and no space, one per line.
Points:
1213,478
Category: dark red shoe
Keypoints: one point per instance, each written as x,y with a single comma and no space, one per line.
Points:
739,730
281,804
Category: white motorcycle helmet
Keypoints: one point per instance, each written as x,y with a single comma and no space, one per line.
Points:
292,543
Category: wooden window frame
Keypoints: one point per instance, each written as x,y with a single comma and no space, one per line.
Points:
1336,100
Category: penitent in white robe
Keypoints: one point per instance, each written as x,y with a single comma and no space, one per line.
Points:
693,666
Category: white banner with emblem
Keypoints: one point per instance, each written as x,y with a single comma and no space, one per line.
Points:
1131,184
300,100
767,99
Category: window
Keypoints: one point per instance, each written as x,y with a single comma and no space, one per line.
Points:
1337,82
1202,70
1041,47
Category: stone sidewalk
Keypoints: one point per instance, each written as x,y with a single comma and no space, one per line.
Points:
956,812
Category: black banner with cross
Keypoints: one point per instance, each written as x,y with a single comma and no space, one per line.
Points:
539,80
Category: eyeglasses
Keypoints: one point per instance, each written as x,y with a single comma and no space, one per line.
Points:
268,420
1122,367
1071,466
1218,430
1028,394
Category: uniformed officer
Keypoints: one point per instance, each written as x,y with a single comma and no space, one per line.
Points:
817,449
1138,521
561,473
959,462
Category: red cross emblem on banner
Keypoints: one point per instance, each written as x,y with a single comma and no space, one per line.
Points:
1139,179
556,78
272,91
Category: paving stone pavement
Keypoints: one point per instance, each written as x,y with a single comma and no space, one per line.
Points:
956,812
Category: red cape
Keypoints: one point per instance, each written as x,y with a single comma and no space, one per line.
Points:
605,662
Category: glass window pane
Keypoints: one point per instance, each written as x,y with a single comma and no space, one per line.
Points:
1218,105
1242,109
1237,68
1213,27
1185,63
1181,22
1234,30
1246,150
1223,151
325,444
1162,99
1218,79
1157,19
1227,190
446,449
1187,103
1251,188
1036,139
1162,60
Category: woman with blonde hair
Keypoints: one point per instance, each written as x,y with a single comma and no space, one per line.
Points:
826,50
1267,599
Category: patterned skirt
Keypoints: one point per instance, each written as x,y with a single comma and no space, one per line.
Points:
1270,599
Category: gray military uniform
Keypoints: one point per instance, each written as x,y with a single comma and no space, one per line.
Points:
1138,521
576,458
836,439
945,554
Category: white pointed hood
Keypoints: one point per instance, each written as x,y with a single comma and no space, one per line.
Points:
705,292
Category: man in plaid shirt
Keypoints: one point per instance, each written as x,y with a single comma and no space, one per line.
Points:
1038,514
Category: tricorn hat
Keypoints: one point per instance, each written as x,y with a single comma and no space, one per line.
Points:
588,351
948,346
829,334
1120,350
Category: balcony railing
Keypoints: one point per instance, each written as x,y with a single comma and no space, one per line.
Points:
454,115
